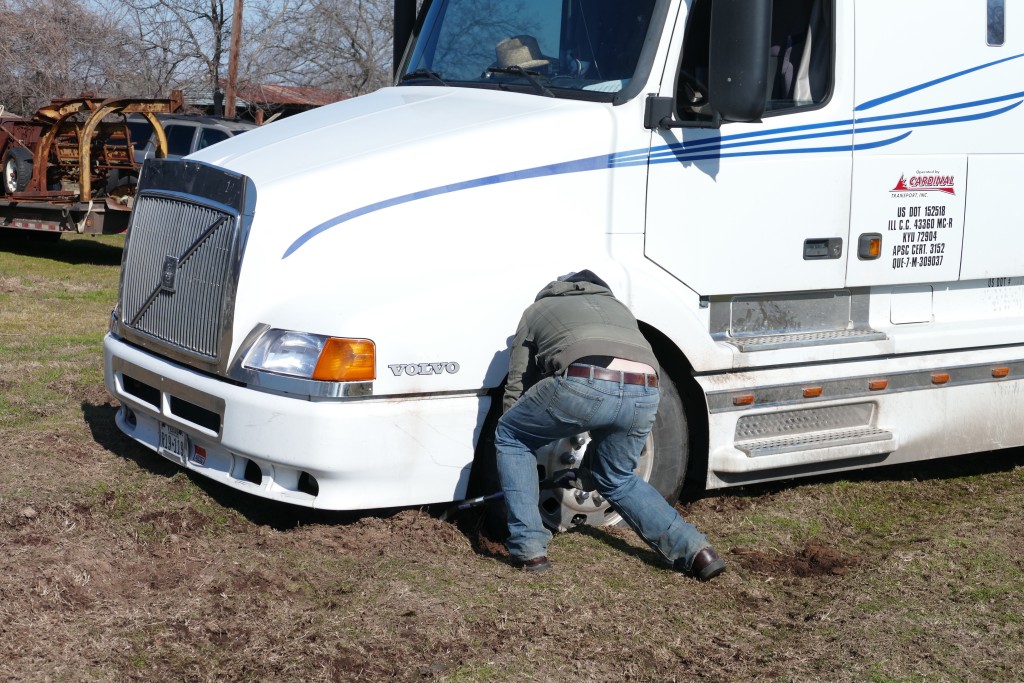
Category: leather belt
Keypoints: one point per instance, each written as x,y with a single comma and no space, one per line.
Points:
612,375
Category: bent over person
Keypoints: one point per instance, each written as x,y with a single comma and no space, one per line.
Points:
594,372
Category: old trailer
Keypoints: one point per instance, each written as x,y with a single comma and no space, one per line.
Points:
71,166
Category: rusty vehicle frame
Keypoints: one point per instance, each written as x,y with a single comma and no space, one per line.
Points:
76,146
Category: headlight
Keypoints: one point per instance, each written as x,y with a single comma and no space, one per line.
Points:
313,356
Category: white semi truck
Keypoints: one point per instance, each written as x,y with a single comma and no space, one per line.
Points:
812,206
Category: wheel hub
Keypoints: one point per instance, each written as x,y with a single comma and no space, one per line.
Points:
562,509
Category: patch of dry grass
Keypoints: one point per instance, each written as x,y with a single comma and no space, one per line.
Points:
117,566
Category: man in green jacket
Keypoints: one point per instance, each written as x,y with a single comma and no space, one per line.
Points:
579,364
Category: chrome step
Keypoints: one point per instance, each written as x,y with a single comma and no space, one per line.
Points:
813,441
805,449
770,342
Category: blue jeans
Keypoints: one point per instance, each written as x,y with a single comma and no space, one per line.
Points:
619,417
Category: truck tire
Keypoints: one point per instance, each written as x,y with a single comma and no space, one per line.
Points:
17,170
662,464
671,438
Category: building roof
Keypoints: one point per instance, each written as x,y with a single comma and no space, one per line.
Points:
269,94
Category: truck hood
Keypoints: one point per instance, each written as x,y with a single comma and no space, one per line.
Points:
341,162
390,216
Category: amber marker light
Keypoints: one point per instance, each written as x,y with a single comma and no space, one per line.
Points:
940,378
1000,372
869,246
346,360
878,384
812,392
745,400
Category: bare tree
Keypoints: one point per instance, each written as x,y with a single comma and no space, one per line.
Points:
154,53
182,43
178,41
53,48
338,45
61,48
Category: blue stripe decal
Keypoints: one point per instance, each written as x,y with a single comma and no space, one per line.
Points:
936,110
940,122
711,147
767,133
683,153
902,93
593,163
798,150
679,148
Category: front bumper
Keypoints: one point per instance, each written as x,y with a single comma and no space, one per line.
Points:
362,453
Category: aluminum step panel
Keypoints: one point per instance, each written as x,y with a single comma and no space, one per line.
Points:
813,441
783,341
801,450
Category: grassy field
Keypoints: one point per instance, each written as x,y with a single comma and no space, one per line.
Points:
117,566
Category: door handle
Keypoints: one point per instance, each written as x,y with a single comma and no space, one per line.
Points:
820,248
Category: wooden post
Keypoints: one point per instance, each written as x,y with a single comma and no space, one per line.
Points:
236,45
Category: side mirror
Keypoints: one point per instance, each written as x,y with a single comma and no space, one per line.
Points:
738,64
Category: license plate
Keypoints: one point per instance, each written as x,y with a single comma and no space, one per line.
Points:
173,444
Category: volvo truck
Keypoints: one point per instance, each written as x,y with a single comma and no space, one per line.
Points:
811,206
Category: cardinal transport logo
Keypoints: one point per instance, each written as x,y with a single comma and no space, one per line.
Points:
926,182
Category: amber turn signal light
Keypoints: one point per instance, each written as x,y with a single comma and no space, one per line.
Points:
346,360
869,246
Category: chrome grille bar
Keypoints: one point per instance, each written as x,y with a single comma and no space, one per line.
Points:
175,272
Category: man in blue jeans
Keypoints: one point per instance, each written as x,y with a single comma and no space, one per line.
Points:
587,368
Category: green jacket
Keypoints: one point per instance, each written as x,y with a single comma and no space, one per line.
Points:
568,321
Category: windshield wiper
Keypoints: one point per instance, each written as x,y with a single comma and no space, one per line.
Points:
424,73
531,76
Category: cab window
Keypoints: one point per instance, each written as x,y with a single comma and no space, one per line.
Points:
800,64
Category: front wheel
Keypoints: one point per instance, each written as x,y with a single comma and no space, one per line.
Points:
17,170
662,464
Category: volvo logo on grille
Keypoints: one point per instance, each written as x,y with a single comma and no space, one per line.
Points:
169,274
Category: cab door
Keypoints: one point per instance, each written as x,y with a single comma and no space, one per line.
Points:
933,126
765,206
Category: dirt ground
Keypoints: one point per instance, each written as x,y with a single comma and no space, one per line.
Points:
118,566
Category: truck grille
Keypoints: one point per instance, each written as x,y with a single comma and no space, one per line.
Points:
176,273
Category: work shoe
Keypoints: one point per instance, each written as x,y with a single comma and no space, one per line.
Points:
706,565
536,564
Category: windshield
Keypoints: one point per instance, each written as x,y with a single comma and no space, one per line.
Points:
572,47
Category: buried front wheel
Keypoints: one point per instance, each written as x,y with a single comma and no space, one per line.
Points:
662,464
